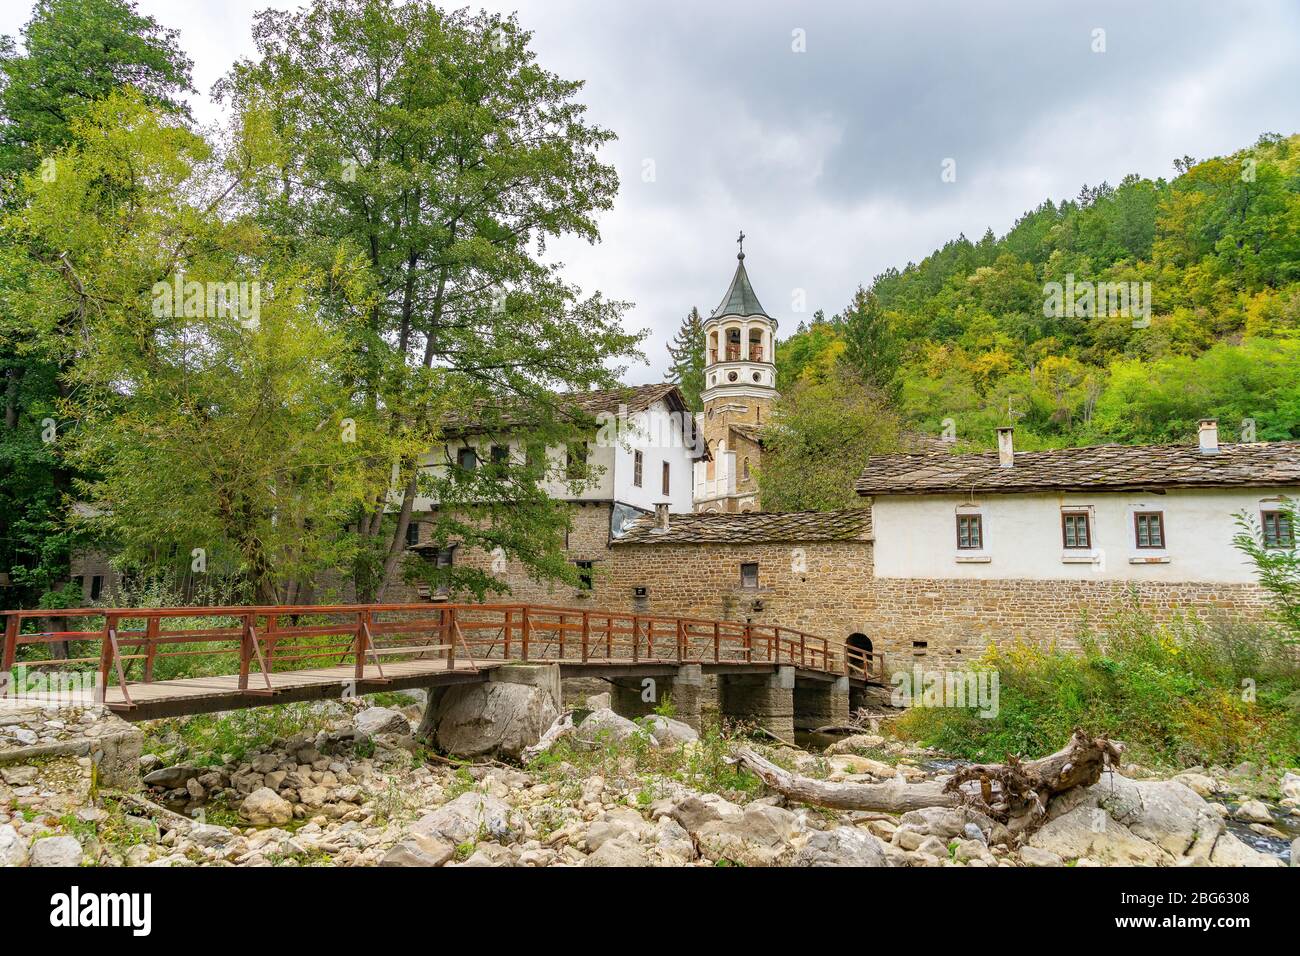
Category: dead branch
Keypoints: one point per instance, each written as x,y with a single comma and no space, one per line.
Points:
892,797
1015,792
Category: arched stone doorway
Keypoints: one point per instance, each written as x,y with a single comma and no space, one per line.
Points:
859,642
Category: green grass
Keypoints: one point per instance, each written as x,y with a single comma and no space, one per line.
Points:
206,739
1178,694
701,765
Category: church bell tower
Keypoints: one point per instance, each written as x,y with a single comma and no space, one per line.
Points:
739,389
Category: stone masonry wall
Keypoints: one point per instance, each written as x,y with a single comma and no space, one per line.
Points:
828,589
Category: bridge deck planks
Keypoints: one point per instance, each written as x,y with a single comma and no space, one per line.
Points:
282,682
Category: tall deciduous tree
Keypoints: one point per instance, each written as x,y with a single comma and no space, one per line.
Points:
431,147
822,433
208,403
687,351
72,54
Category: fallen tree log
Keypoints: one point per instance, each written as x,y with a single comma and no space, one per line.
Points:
892,797
1015,792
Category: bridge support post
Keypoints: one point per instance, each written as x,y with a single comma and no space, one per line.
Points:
687,689
763,699
633,697
626,695
819,703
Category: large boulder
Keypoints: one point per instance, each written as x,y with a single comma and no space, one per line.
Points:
13,848
380,720
1142,823
854,743
419,850
602,727
950,823
171,778
493,718
264,807
619,852
694,810
668,732
843,846
471,816
760,836
1290,785
56,851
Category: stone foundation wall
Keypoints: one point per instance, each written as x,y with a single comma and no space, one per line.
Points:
828,588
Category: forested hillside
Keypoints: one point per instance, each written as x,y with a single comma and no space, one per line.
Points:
966,335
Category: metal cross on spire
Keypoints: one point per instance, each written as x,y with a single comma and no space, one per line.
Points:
740,240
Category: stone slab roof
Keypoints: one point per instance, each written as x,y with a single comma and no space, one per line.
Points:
1100,467
760,527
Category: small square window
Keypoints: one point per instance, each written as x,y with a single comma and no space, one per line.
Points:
500,458
1075,530
749,575
96,587
1149,529
412,534
1278,532
636,469
970,532
466,459
586,574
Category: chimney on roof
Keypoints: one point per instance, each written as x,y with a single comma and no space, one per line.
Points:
661,516
1209,436
1006,448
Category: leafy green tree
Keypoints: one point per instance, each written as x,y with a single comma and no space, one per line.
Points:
687,351
206,405
820,435
73,53
432,149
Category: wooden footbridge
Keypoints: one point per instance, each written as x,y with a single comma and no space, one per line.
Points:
161,662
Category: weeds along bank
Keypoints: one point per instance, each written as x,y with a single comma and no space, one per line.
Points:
1179,694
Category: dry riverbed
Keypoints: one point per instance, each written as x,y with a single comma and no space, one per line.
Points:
347,784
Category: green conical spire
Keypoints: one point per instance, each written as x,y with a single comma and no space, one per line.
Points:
740,298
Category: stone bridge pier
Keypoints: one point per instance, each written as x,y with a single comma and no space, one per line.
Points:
763,699
638,696
820,702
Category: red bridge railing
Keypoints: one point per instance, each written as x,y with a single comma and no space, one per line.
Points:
137,645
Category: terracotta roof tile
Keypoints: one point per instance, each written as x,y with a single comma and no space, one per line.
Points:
1103,467
755,528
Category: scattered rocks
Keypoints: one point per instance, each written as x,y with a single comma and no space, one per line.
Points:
843,846
471,816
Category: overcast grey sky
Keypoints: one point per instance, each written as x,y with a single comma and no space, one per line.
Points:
830,156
